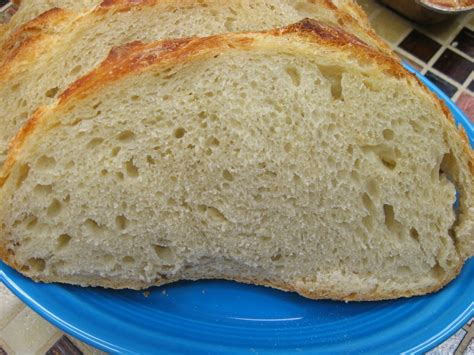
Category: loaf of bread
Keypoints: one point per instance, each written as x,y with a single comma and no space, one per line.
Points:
47,54
29,9
298,158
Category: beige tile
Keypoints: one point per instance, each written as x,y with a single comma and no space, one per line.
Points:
390,26
369,6
49,343
470,20
27,333
10,306
6,348
86,349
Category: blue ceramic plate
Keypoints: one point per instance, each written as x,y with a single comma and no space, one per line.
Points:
222,316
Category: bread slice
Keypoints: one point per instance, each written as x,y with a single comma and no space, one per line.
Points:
55,49
298,158
29,9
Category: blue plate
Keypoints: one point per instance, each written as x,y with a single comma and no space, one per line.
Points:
224,316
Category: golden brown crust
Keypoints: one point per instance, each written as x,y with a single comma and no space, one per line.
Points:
21,43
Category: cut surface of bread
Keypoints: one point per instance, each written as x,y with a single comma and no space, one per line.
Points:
297,158
52,51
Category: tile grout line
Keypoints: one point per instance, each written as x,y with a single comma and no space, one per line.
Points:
463,87
460,53
446,78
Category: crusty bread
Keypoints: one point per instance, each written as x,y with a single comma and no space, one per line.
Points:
29,9
50,52
297,158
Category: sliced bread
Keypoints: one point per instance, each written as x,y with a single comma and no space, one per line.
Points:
298,158
49,53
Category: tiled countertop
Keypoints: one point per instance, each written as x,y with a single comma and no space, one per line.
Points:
444,53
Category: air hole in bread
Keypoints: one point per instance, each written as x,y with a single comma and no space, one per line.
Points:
179,132
121,222
414,234
23,172
368,204
15,87
333,74
287,147
355,176
297,179
119,175
135,97
36,264
306,8
51,92
43,190
164,253
92,226
22,117
371,86
44,162
63,241
437,272
387,155
108,259
216,215
115,151
74,71
227,175
388,134
368,222
150,160
126,136
94,142
276,257
104,172
31,224
171,202
403,270
128,259
229,24
390,221
372,187
131,169
294,75
415,126
388,162
54,208
213,141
